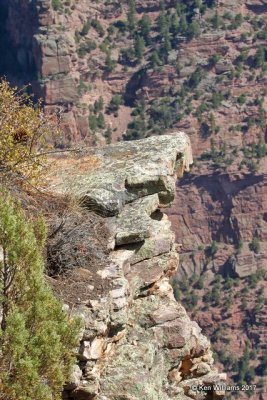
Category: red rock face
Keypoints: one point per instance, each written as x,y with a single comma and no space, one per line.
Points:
219,207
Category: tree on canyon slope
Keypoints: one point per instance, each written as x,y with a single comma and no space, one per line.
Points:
36,336
23,130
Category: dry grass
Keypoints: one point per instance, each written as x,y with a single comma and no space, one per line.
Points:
76,247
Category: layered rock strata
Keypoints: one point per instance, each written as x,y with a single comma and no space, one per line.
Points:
137,342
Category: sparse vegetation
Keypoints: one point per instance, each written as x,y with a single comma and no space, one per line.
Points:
110,63
114,104
56,4
86,48
255,245
85,28
98,27
23,132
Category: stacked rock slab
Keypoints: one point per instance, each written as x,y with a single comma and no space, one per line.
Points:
138,342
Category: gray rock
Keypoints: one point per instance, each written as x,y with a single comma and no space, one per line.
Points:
135,334
121,174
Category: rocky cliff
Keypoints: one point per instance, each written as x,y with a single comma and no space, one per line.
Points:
209,81
137,342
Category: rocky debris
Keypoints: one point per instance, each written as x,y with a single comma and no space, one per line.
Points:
223,66
137,342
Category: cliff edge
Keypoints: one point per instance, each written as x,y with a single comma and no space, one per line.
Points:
138,342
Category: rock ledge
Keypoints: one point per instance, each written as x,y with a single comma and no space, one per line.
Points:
138,342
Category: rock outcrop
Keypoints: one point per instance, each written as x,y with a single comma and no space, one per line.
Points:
138,342
223,199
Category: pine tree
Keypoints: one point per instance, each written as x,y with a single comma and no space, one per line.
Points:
193,30
155,59
174,28
259,58
108,134
131,17
99,105
145,27
110,63
183,24
216,20
167,46
93,122
139,48
163,24
101,121
36,337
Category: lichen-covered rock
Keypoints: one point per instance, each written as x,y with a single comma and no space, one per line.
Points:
108,178
138,343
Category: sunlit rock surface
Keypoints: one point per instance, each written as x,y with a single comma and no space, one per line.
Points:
137,342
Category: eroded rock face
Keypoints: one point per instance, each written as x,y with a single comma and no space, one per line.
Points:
138,342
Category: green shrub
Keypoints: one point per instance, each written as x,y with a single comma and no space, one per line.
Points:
255,245
139,48
96,122
200,283
213,60
131,16
155,59
215,296
239,19
108,134
216,21
177,293
241,100
229,283
195,78
56,4
98,105
207,297
145,27
193,30
239,246
216,99
86,48
213,248
85,28
110,63
259,58
101,121
36,336
191,301
228,303
93,122
98,27
114,104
